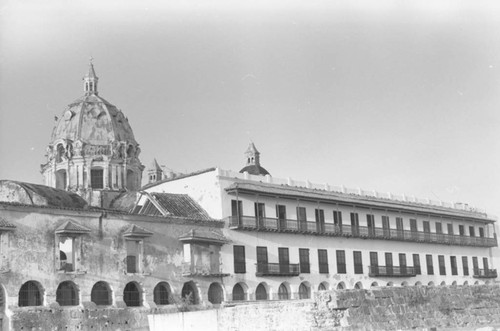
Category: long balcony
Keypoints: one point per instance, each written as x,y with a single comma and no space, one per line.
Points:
485,273
391,271
277,269
329,229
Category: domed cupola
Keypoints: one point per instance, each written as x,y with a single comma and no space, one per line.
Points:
253,166
93,150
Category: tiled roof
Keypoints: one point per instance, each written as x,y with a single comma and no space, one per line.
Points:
315,194
203,235
137,231
180,205
39,195
6,225
72,227
124,201
255,169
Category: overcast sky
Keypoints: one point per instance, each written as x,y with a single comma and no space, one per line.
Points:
402,96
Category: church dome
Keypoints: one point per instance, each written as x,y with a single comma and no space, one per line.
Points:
253,166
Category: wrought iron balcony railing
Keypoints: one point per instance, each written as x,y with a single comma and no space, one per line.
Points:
277,269
485,273
329,229
391,271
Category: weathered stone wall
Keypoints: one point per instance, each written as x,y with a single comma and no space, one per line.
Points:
389,308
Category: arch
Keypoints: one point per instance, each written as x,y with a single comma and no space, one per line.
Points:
304,290
101,294
466,283
374,284
30,294
430,284
131,180
284,291
67,294
404,284
162,294
240,292
358,286
190,293
341,286
419,283
132,295
261,292
130,151
215,293
60,151
454,283
61,178
323,286
443,283
390,284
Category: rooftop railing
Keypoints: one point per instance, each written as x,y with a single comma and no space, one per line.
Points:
391,271
277,269
329,229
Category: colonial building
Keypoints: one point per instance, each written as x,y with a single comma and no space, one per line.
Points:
291,238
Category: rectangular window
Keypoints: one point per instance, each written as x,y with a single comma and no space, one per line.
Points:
260,213
374,263
337,218
370,222
461,230
465,265
442,266
355,224
388,263
302,218
413,228
236,212
284,260
262,262
132,247
67,253
475,265
386,227
427,230
358,262
439,228
453,264
485,264
399,227
320,220
472,231
281,216
341,268
97,178
402,263
450,228
323,261
430,266
481,232
304,261
416,264
239,259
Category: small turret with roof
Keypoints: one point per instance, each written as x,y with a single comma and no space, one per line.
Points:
253,166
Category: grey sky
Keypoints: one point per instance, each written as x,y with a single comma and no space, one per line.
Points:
401,96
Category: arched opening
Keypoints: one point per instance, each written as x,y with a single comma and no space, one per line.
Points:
443,283
454,283
304,291
283,292
162,295
430,284
404,284
130,151
418,284
466,283
374,284
358,286
261,292
30,294
101,294
97,178
215,293
60,151
476,282
390,284
341,286
67,294
132,295
61,179
131,180
324,286
239,292
190,294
